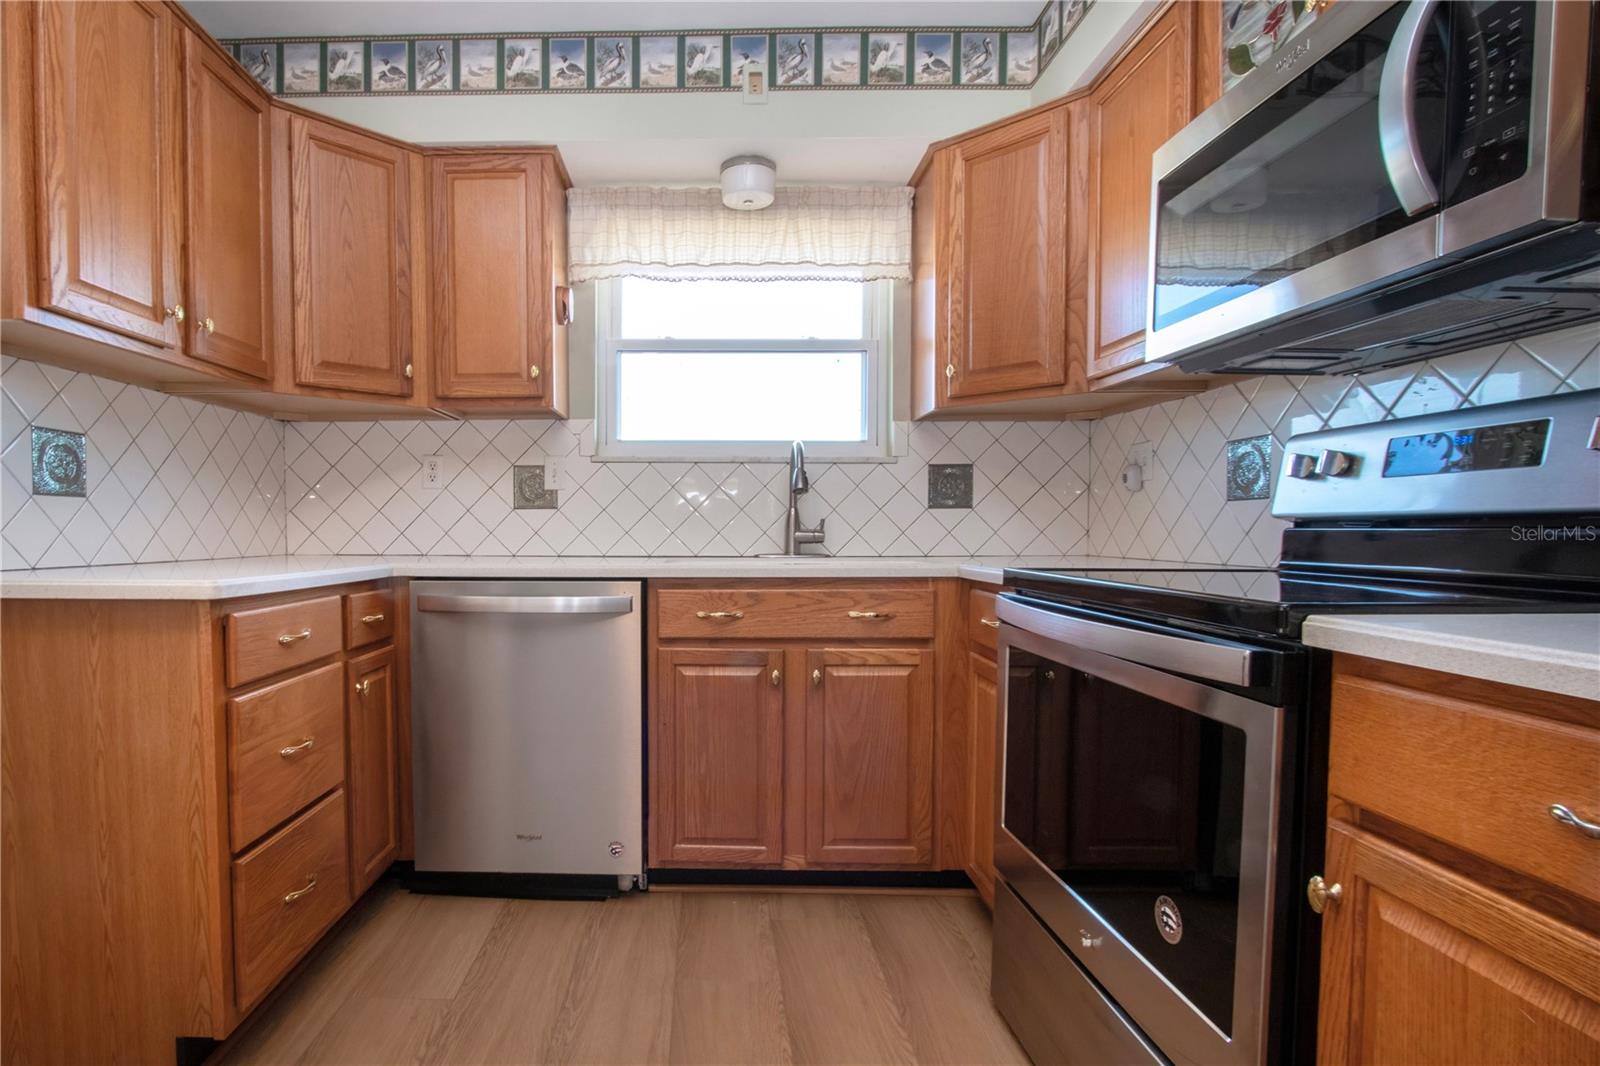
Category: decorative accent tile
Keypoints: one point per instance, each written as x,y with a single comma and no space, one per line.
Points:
950,485
976,57
60,463
528,492
1250,468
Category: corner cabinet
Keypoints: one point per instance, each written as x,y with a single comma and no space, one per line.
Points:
350,215
500,305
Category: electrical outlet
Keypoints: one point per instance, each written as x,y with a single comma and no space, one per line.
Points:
1142,453
432,472
555,472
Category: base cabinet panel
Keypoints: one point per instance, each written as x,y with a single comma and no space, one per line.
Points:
983,711
869,756
717,757
374,789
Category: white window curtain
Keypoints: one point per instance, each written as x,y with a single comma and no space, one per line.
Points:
857,232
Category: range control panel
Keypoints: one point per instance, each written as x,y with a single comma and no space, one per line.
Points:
1526,457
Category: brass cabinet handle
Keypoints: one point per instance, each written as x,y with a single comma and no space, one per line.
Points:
533,372
1567,816
816,677
293,749
870,615
290,638
776,677
372,619
175,312
208,325
949,371
408,371
1320,893
992,623
363,686
719,614
290,897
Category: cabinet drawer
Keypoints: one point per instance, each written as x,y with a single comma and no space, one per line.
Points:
1480,778
983,625
285,748
368,617
863,612
286,893
267,640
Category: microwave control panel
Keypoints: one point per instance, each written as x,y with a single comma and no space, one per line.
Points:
1491,98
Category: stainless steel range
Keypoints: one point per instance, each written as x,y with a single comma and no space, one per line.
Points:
1163,732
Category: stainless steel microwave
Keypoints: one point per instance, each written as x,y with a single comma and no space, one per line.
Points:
1404,180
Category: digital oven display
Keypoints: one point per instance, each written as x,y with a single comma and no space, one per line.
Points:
1455,451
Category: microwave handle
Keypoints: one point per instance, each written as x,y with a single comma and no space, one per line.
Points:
1397,113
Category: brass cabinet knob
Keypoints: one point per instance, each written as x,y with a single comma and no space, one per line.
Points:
311,882
175,312
408,371
290,638
776,677
363,686
208,325
1319,893
949,371
816,677
294,749
533,372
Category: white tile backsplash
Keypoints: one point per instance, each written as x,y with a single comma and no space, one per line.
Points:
172,479
169,478
1181,514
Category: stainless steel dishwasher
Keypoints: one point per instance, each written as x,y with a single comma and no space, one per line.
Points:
527,727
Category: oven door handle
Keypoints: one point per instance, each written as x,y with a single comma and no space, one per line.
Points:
1397,112
1221,661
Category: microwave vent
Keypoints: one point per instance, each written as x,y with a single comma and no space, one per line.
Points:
1429,324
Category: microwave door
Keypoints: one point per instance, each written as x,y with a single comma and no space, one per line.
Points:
1514,158
1284,197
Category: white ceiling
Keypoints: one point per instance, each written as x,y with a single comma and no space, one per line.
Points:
330,18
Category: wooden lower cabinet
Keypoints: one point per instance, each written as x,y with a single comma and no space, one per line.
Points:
717,757
869,756
1423,966
983,714
1465,921
374,790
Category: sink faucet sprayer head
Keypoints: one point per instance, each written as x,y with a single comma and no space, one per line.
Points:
798,481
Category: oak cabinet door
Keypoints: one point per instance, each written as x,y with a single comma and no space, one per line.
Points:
869,756
1423,966
229,202
492,291
350,209
1007,243
372,775
108,114
983,708
1146,99
717,757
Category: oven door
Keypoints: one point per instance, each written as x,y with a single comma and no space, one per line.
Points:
1138,818
1307,182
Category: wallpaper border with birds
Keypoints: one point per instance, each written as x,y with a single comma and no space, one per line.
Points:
852,57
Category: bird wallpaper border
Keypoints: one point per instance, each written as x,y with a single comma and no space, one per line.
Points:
954,57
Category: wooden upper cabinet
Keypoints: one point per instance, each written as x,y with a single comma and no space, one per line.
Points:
1137,106
498,228
869,756
372,778
1424,966
229,260
107,168
1007,248
350,207
717,757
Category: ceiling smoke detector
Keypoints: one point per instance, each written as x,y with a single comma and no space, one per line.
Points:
748,182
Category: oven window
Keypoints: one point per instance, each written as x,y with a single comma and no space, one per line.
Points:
1298,180
1136,805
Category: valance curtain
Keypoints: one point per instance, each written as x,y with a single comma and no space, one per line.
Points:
858,232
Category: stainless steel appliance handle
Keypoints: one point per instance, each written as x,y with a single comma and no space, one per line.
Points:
1397,112
429,601
1227,663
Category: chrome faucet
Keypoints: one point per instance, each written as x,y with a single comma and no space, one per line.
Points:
795,534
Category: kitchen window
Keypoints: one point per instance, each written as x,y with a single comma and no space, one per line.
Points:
710,368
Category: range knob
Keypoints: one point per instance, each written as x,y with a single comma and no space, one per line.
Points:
1301,466
1335,464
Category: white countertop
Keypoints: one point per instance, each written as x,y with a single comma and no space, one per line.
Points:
1551,652
226,578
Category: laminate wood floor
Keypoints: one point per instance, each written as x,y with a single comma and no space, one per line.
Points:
659,977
